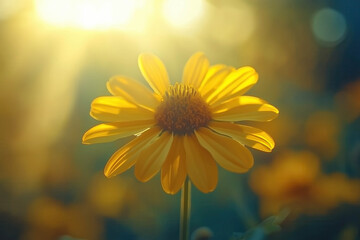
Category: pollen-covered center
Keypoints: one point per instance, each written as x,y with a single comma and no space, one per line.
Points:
182,110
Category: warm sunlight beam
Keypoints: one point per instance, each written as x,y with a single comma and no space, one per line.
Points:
90,14
51,103
182,12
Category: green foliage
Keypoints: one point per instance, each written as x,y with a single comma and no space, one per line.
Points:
266,227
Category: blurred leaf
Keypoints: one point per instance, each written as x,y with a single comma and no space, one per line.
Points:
266,227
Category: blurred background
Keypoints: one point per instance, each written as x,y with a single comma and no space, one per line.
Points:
56,56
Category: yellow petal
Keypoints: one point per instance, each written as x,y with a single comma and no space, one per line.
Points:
108,132
227,152
154,72
249,136
200,165
211,72
117,109
133,91
151,159
173,172
125,157
244,108
236,102
237,89
242,78
213,79
195,70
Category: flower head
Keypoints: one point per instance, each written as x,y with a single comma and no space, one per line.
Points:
184,129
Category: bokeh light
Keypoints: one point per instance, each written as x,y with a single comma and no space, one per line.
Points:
181,13
329,26
234,24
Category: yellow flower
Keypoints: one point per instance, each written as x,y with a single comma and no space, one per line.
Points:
184,129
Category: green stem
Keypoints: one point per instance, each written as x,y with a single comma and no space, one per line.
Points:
185,210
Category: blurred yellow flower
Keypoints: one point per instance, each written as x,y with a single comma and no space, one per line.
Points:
322,130
182,129
294,180
107,197
48,218
348,101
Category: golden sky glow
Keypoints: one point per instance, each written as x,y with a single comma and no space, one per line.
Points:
119,14
182,12
91,14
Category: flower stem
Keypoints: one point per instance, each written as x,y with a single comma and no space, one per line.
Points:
185,210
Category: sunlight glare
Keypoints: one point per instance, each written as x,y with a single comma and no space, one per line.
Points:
182,12
10,7
90,14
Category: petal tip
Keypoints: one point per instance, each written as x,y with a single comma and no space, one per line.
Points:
108,175
199,53
108,86
276,110
269,150
107,171
171,192
273,110
208,190
84,139
140,178
144,56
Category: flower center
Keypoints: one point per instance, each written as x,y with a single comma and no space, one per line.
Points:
182,110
